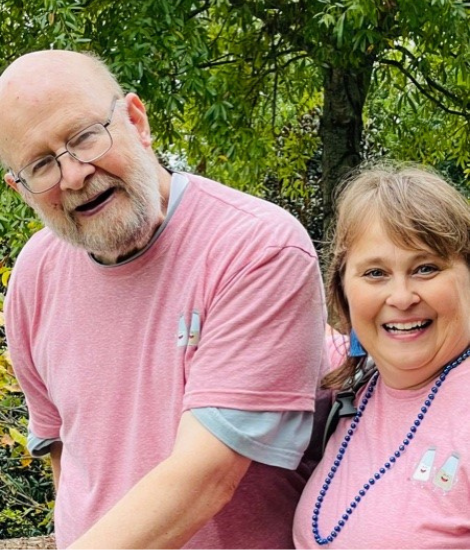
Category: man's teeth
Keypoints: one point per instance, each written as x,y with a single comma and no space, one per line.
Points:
396,327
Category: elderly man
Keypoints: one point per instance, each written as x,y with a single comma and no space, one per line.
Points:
167,330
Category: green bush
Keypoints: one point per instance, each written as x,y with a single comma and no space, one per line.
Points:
26,489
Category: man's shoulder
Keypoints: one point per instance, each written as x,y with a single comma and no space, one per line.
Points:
233,197
40,242
238,208
42,249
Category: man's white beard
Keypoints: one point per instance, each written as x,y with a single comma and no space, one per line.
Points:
117,231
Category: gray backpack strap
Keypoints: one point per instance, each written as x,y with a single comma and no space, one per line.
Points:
343,405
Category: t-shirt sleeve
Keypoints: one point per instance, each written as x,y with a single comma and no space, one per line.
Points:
44,419
262,340
337,345
272,438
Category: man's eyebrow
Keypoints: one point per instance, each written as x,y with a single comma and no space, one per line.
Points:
71,130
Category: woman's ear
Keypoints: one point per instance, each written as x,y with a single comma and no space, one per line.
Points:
138,117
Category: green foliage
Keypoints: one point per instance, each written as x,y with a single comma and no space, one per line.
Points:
17,223
26,494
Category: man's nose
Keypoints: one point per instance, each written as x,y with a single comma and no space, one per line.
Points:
74,172
403,294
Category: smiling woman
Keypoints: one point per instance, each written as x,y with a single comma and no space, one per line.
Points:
399,279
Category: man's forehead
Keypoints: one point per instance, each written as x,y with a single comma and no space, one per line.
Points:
40,95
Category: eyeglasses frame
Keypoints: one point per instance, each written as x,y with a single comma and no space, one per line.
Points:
19,180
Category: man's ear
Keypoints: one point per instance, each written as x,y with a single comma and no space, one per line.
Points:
138,117
10,181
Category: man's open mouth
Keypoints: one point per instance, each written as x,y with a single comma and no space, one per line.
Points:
96,201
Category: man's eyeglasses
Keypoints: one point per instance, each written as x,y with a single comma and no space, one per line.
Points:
86,146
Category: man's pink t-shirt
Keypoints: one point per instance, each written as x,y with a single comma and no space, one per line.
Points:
423,500
225,309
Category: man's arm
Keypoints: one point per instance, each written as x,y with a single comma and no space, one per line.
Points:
175,499
56,453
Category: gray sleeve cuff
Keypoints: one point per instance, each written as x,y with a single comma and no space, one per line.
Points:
38,446
272,438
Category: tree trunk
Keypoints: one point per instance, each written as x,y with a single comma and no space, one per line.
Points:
345,92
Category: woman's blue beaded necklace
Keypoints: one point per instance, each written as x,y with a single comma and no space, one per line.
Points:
387,465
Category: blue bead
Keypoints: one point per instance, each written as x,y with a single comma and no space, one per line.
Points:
357,498
434,389
336,462
382,470
416,422
362,492
344,444
402,448
334,469
413,429
420,416
341,450
368,394
356,418
359,414
345,517
334,535
393,459
439,383
377,476
327,481
431,396
341,523
397,453
324,486
350,432
353,425
387,465
427,403
366,486
371,481
442,377
349,511
424,410
406,441
329,538
337,529
322,492
362,408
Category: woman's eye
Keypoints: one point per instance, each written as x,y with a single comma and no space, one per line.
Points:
374,273
426,269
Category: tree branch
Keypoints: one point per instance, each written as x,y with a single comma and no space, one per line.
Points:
422,89
431,83
197,11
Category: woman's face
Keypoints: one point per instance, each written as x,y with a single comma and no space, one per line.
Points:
409,308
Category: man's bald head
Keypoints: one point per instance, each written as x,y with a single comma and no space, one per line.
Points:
42,80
